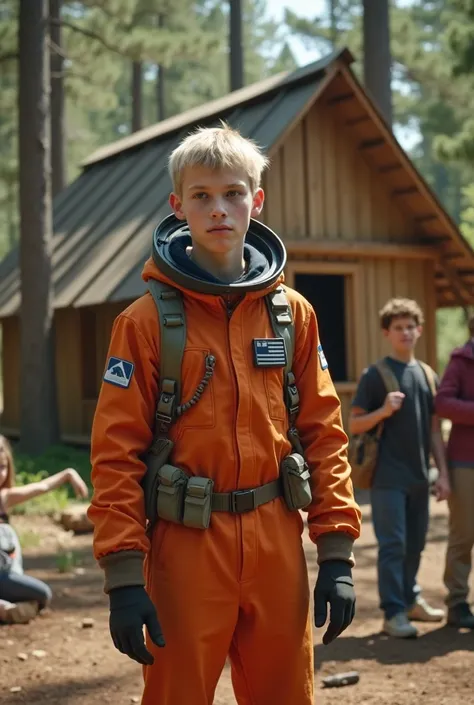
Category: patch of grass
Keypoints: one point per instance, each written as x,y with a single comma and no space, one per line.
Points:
29,539
34,469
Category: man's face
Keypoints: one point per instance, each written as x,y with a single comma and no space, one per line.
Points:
403,333
217,205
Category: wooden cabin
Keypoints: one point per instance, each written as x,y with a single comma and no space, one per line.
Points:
359,223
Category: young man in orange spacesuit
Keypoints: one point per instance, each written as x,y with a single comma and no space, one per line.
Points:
224,572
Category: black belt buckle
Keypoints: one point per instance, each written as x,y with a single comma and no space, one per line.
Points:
242,501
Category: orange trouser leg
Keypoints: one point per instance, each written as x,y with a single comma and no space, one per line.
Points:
197,600
272,648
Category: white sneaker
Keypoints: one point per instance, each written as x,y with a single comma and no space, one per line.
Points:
423,612
400,627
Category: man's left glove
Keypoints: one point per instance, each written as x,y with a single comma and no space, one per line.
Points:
336,587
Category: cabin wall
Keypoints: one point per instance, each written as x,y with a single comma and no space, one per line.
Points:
320,186
81,339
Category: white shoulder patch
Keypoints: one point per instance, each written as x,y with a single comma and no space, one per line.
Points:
119,372
322,357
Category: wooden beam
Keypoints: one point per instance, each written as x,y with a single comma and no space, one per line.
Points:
341,248
342,98
352,122
408,191
388,168
371,144
436,239
463,291
425,218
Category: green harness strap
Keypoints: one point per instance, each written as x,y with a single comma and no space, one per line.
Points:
283,326
169,302
172,319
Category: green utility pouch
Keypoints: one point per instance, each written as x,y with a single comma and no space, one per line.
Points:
154,460
295,478
198,503
171,491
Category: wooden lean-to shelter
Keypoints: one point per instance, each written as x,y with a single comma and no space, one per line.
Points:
359,223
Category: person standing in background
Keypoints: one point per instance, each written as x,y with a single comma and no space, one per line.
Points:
455,401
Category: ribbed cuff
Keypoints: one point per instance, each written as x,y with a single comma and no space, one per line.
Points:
335,546
122,569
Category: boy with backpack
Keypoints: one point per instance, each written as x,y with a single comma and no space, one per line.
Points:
216,422
395,402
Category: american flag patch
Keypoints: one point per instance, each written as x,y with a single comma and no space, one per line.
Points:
269,352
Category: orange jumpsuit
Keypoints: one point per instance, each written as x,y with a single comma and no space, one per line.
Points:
239,588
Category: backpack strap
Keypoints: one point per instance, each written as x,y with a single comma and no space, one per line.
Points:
388,377
169,302
430,377
390,383
283,326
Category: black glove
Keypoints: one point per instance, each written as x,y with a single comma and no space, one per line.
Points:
334,585
130,609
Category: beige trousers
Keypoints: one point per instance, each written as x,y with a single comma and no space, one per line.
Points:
461,536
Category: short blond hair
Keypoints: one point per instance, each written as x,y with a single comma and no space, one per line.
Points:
217,148
400,308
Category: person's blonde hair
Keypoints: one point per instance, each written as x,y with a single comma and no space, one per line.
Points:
217,148
10,481
400,308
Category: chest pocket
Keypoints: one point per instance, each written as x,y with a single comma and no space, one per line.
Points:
273,381
202,413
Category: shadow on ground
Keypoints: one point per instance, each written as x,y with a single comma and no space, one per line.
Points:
385,650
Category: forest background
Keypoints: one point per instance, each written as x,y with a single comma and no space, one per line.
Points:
125,64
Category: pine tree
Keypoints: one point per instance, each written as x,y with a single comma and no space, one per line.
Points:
38,405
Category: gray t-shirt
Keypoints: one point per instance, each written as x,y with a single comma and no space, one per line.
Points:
404,451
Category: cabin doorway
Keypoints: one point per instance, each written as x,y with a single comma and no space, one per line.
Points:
327,294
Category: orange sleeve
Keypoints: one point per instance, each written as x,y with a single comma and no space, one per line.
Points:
333,509
121,433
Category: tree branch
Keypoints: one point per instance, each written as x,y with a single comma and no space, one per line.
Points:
12,56
89,34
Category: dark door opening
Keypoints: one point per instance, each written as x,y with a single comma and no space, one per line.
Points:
326,294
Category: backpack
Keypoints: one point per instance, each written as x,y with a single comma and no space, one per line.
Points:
364,448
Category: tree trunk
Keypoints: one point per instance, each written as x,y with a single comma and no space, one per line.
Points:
38,407
333,22
160,93
377,55
236,45
160,82
137,84
57,100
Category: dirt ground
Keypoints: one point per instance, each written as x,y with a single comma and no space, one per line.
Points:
80,664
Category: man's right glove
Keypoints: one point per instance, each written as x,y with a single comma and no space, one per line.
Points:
130,609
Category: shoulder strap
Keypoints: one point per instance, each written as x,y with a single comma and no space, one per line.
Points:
430,376
169,302
388,377
283,326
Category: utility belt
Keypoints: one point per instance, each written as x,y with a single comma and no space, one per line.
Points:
188,500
